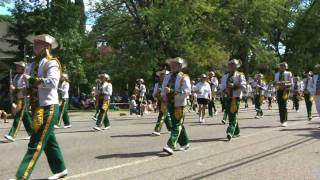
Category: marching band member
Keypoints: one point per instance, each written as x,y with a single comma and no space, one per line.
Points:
96,95
232,84
43,79
203,91
140,91
163,116
21,105
214,83
105,93
270,93
259,87
64,104
307,88
296,90
283,80
223,99
246,94
176,88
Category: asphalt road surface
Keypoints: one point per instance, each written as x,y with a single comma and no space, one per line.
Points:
129,151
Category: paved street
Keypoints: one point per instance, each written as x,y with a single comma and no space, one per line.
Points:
128,151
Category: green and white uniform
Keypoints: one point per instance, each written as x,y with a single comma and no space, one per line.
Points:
163,116
105,93
308,97
64,104
22,114
259,92
44,82
283,79
296,90
232,100
180,89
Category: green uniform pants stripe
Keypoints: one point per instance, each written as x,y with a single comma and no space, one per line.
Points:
308,104
282,104
64,113
233,127
22,116
257,105
163,117
225,108
103,115
43,140
178,131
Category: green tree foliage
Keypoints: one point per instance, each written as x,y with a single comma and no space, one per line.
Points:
303,41
144,33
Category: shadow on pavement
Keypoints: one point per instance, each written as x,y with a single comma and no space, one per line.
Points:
208,140
314,132
229,166
133,155
81,131
258,127
212,124
131,135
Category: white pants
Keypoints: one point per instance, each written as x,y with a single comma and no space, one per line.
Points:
317,102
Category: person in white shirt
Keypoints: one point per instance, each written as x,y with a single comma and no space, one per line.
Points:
20,106
104,102
64,102
95,94
176,88
283,81
133,105
247,94
214,84
140,91
270,93
193,99
43,77
296,90
307,88
163,116
259,87
203,91
232,84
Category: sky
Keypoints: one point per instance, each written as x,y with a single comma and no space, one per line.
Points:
90,22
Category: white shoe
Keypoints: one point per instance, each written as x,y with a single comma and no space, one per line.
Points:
10,138
261,116
27,138
156,133
94,118
184,148
56,126
297,111
257,117
97,128
168,150
216,113
203,120
59,175
66,127
106,128
200,120
285,124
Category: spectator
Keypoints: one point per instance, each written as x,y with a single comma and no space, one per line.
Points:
133,105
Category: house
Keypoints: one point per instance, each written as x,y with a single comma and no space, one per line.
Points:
5,46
